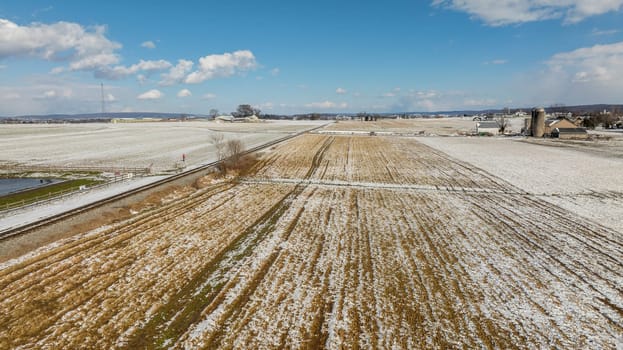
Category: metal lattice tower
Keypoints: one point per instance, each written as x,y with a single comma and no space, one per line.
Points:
103,109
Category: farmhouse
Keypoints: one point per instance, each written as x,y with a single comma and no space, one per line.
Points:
560,123
569,133
489,127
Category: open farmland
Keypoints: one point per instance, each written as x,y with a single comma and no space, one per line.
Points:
335,242
573,175
423,126
439,126
156,144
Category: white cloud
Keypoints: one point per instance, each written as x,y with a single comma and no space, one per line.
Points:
177,73
84,48
184,93
340,91
435,101
39,11
148,44
2,66
586,75
59,94
150,95
479,103
327,105
119,72
428,94
150,66
94,62
141,78
497,13
53,94
599,63
81,48
275,72
219,66
49,94
388,94
602,32
208,96
416,101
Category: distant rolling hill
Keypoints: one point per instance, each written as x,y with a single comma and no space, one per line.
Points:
580,109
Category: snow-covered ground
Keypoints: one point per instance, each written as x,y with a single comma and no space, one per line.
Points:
122,145
585,183
158,144
429,126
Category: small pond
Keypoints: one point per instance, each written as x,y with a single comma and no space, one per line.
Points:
12,185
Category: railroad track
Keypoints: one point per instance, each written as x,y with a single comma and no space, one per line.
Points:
16,231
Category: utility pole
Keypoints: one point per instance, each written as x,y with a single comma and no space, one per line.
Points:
103,109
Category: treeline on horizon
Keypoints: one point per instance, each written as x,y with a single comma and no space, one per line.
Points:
585,110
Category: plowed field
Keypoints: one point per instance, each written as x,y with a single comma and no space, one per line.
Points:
329,242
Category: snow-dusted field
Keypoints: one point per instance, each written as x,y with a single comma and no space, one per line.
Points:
429,126
442,126
586,182
159,144
329,242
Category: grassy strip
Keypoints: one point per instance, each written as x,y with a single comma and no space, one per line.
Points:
31,196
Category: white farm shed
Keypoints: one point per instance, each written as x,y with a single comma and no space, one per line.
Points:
487,127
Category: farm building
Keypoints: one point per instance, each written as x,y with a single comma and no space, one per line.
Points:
224,118
252,119
569,133
560,123
489,127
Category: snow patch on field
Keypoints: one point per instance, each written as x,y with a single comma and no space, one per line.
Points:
547,170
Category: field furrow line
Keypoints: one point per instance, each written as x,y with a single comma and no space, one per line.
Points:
554,261
231,300
186,306
129,227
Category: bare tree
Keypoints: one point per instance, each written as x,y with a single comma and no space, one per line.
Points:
503,124
257,112
234,149
245,111
218,140
213,113
229,153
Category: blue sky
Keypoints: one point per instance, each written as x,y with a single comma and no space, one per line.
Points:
308,56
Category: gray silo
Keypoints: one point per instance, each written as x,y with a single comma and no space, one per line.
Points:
538,122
